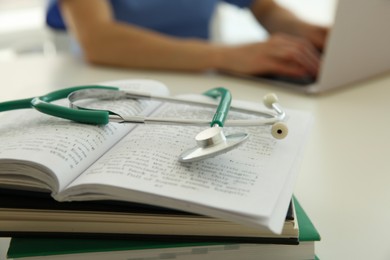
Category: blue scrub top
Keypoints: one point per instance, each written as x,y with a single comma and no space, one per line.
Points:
181,18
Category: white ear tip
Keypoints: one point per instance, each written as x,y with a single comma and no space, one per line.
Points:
269,99
279,130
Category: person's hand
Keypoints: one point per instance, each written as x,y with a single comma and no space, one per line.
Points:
314,33
281,54
277,19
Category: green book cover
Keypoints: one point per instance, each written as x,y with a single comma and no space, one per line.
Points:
24,247
307,231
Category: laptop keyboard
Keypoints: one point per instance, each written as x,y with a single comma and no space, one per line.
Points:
300,81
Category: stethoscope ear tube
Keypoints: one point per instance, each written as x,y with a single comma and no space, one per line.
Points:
42,104
99,117
223,106
15,104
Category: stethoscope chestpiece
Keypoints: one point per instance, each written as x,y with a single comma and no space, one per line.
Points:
212,142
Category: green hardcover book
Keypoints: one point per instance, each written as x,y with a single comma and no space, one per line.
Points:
70,248
307,230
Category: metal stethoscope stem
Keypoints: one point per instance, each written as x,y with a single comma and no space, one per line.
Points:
268,117
274,117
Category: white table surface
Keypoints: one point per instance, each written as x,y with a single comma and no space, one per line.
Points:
344,181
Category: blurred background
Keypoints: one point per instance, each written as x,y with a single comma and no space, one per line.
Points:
23,30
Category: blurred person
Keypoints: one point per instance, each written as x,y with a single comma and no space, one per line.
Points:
173,35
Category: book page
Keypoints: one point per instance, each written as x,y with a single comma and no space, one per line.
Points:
144,167
54,150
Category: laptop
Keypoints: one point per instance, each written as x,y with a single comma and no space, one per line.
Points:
358,47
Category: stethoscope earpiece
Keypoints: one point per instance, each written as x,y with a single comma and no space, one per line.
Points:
269,100
279,130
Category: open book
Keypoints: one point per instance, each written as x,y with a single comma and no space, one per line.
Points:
251,185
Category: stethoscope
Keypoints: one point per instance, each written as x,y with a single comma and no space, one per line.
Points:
210,142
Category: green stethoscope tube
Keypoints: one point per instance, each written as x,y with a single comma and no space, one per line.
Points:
223,106
43,105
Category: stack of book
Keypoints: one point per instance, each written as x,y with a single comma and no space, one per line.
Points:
82,190
291,244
